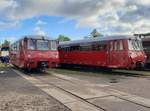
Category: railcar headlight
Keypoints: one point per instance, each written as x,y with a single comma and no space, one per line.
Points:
29,56
56,56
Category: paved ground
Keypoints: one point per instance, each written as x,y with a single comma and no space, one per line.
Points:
78,90
17,94
133,82
127,92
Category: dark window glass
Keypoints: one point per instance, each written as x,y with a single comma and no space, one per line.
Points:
42,45
5,49
86,48
146,45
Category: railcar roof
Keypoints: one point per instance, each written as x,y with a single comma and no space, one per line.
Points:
106,38
37,37
34,37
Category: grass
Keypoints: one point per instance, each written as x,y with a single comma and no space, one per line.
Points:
3,66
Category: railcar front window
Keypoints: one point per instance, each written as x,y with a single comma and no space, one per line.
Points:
53,45
31,44
42,45
5,49
134,45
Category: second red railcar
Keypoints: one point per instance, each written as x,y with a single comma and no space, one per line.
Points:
111,52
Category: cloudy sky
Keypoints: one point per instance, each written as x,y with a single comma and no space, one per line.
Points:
74,18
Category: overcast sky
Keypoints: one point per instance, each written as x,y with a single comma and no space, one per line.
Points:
74,18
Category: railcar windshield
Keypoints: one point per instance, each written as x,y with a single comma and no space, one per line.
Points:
5,49
53,45
34,44
134,44
42,45
31,44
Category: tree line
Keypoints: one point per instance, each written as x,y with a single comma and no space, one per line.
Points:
93,34
5,43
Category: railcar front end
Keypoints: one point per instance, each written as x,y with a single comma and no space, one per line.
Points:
35,53
41,54
137,56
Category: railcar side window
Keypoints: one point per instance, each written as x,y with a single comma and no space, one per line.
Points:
53,45
121,45
102,47
67,49
118,45
74,48
31,44
86,47
94,47
111,46
97,46
115,45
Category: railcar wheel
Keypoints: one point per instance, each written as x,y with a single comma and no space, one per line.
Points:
43,70
27,70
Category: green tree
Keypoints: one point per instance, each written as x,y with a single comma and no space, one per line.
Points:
95,33
63,38
6,43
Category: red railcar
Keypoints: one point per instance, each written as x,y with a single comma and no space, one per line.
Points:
111,52
34,52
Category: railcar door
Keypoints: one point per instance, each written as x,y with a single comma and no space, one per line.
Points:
103,54
111,54
99,53
117,54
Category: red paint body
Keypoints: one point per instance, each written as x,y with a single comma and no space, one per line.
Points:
108,57
23,57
